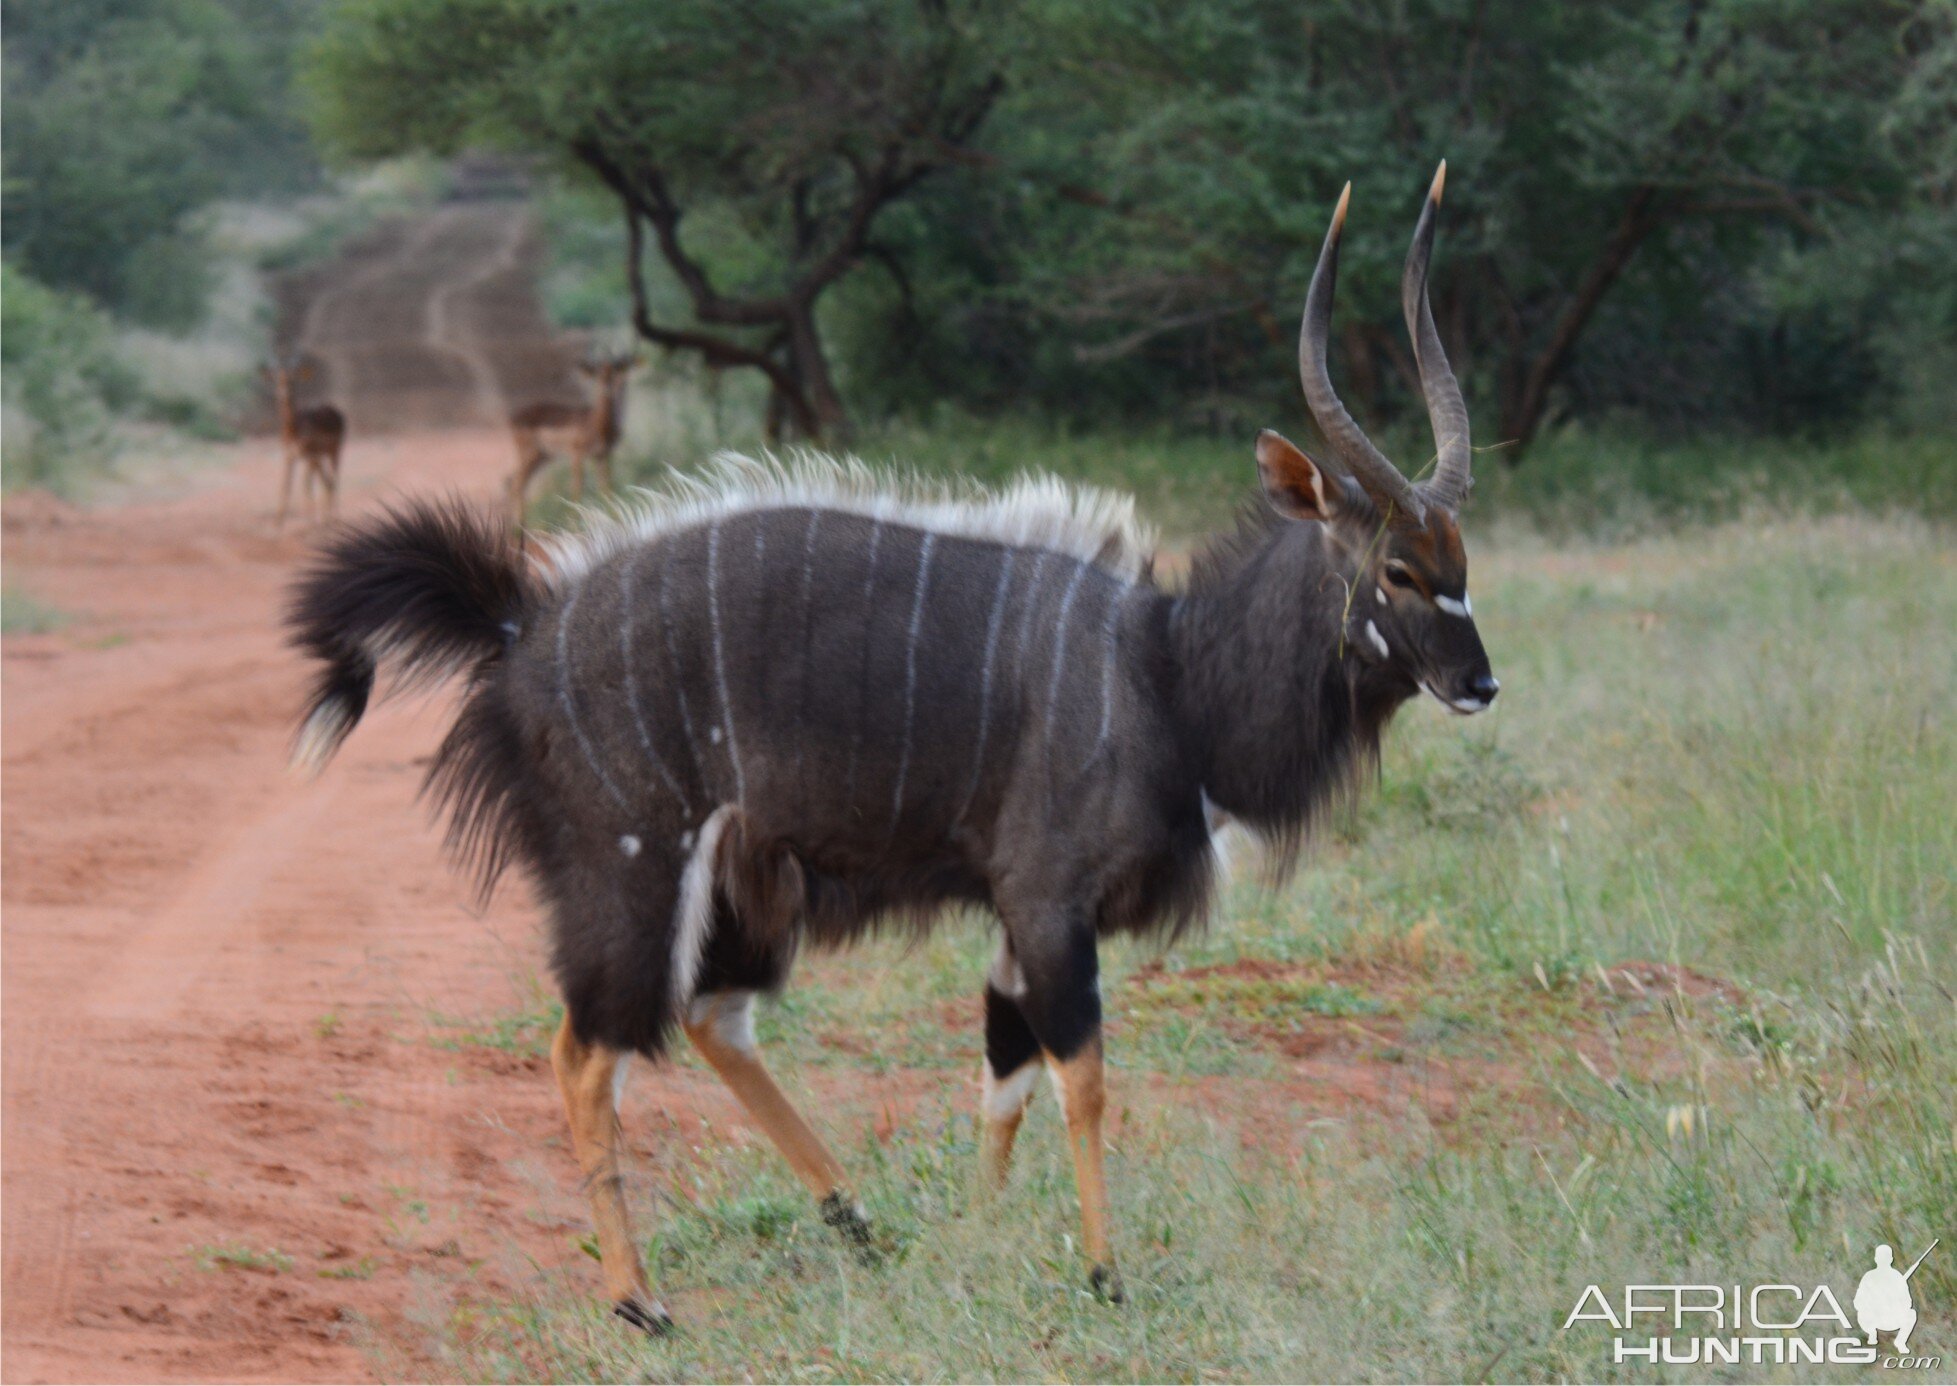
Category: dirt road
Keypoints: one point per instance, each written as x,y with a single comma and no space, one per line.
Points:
233,1149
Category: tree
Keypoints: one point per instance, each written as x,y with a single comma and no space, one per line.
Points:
124,117
755,144
1187,156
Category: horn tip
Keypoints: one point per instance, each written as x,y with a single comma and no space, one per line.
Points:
1338,213
1440,184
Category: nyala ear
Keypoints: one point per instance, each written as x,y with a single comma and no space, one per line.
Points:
1295,484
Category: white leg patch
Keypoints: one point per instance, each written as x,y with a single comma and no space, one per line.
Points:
1059,1088
1001,1099
1379,641
730,1014
1005,976
693,915
620,1073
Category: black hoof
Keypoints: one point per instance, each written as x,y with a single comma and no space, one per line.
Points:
1105,1282
650,1319
847,1218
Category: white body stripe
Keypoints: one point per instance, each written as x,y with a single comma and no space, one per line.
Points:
720,661
910,676
869,591
1032,611
1002,1099
808,597
569,704
672,667
693,913
1110,642
625,630
992,628
1060,646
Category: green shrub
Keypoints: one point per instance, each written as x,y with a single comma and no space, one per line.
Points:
62,387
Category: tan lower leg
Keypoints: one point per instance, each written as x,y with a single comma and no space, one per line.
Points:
720,1029
1003,1107
1083,1092
584,1075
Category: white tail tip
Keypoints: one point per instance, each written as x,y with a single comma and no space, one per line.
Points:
320,737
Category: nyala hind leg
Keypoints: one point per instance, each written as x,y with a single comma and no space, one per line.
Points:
587,1075
721,1026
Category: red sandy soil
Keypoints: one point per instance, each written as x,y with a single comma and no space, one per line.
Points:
219,981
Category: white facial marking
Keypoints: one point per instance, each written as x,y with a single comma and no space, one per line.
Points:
1001,1099
1380,592
1379,641
1463,608
630,845
1464,706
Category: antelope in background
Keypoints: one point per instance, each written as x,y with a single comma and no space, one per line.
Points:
311,438
782,705
579,432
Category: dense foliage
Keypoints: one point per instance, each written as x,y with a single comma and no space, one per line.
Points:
123,119
1690,209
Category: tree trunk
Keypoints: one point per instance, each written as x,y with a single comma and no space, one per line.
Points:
820,412
1522,414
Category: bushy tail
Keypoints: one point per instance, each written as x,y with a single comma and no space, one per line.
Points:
430,589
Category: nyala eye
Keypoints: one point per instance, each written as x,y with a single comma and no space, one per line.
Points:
1401,576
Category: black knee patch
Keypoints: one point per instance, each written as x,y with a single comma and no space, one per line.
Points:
1009,1041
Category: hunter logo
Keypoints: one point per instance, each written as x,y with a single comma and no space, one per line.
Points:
1775,1324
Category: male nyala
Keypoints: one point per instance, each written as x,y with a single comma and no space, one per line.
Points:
785,703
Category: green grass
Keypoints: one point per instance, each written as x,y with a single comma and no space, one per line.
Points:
238,1256
1729,748
21,614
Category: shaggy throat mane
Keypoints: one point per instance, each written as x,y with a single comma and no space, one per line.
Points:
1265,691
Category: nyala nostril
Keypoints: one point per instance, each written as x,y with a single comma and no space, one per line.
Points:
1485,687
